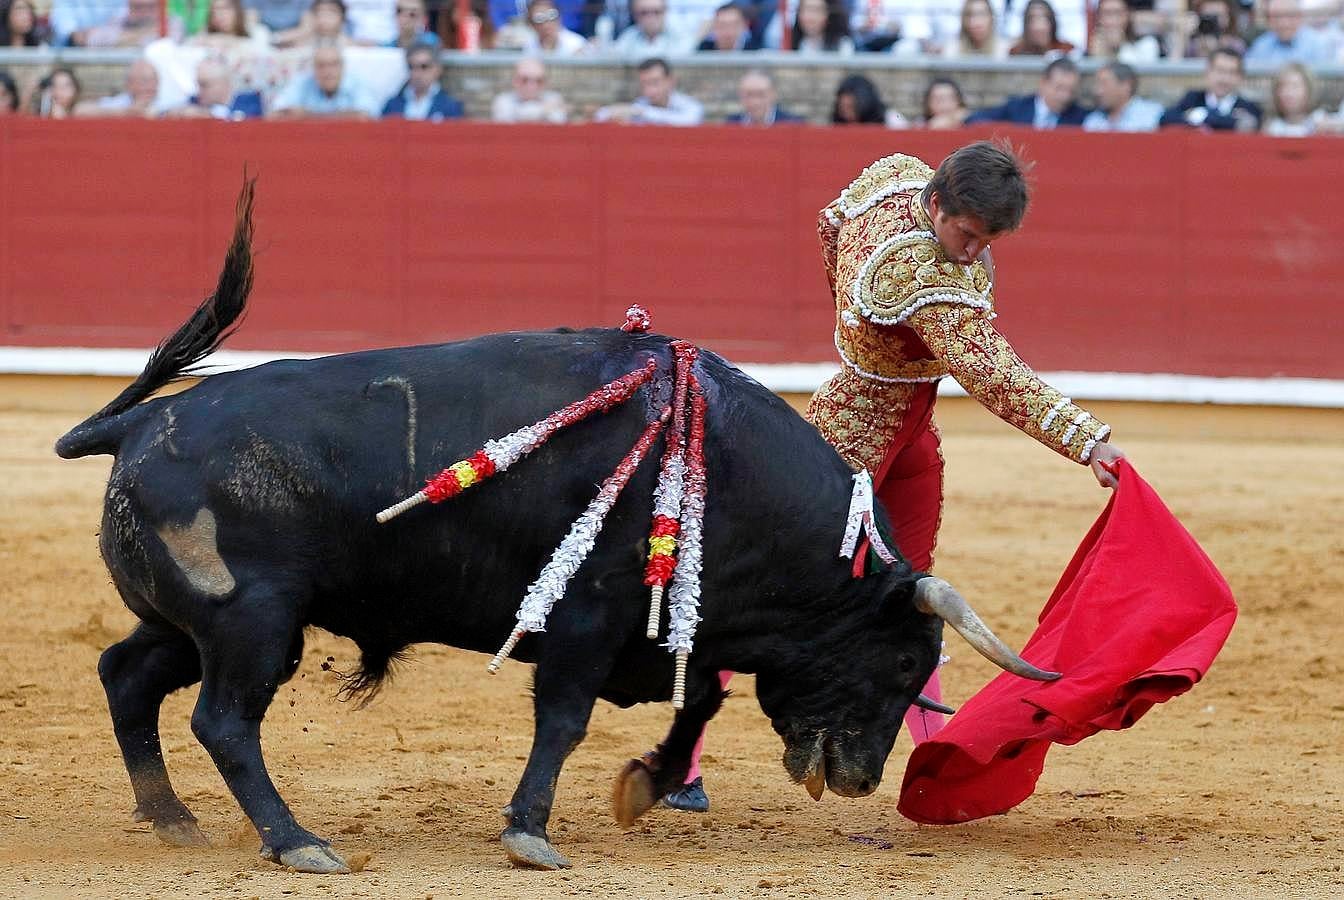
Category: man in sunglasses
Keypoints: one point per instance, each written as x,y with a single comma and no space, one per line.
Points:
651,34
422,98
547,34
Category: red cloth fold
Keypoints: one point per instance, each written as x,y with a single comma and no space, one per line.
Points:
1136,619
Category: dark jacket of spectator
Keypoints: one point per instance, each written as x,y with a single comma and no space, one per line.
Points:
1022,111
1187,112
782,117
246,105
443,106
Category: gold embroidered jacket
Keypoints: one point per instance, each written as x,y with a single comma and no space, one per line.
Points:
906,315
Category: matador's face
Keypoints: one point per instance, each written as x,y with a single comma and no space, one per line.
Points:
963,238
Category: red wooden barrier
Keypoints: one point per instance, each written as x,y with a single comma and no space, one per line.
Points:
1176,252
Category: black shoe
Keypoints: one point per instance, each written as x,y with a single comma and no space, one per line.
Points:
689,797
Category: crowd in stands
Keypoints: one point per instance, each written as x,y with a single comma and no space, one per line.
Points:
237,59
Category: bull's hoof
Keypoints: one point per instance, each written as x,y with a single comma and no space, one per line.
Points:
180,833
313,858
531,852
633,794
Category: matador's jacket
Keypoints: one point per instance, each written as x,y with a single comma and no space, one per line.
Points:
906,316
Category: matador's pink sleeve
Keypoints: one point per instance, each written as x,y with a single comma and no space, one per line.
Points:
985,364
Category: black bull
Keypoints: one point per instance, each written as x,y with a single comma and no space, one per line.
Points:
242,510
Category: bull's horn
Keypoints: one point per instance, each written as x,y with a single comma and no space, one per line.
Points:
936,597
933,705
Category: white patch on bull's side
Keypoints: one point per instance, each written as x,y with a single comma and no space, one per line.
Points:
412,418
196,551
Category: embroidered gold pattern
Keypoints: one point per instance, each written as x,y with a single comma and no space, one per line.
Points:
898,295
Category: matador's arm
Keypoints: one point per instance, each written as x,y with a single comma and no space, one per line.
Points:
985,364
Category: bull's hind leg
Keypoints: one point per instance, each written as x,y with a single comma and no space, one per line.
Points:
644,780
137,673
566,684
251,648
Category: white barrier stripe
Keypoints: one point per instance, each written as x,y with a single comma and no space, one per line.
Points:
798,378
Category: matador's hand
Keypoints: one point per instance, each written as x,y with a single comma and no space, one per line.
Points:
1102,462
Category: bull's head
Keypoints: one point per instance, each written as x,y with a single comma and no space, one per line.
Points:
838,705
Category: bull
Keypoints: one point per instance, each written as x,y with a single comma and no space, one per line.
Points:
241,511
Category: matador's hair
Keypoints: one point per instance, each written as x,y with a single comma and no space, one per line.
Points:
987,180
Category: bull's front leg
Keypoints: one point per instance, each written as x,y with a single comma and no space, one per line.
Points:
566,685
644,780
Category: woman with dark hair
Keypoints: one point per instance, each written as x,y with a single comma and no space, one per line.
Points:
9,95
1040,31
19,26
56,95
821,26
944,105
1215,26
447,28
857,102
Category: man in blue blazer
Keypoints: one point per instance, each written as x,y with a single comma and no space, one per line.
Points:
1052,106
760,107
422,98
1218,107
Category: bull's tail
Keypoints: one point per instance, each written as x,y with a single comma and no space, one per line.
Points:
175,358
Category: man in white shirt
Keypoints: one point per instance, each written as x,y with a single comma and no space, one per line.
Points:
659,101
1118,108
529,101
651,35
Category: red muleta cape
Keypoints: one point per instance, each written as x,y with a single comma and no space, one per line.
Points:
1137,618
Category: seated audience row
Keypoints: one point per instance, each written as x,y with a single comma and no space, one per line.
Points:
1130,31
331,89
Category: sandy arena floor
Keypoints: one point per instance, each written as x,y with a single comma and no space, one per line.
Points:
1234,790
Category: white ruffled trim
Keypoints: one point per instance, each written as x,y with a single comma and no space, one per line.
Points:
1073,427
1049,418
1097,438
977,299
876,197
831,217
873,376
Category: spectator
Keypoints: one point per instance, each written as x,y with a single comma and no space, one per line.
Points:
548,34
729,30
9,95
1215,27
215,97
529,101
278,16
760,103
1119,108
138,98
136,25
1218,107
69,19
1113,36
1293,104
413,26
659,101
651,35
324,22
56,95
900,26
820,26
1288,38
244,48
1054,103
327,92
19,25
944,105
422,98
979,35
1040,31
857,102
479,22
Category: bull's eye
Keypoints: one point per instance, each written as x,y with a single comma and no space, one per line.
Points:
905,663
